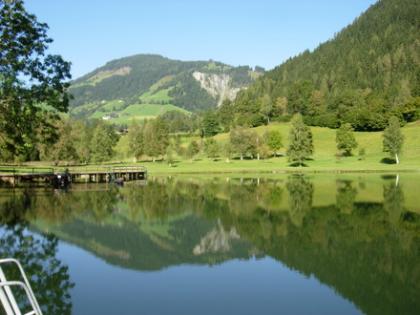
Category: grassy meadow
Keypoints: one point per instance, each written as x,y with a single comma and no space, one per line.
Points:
324,158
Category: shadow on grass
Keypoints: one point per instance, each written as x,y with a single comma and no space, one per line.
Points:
297,164
388,160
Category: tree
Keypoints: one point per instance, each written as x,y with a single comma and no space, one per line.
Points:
65,148
393,139
84,131
210,124
267,107
243,142
299,97
193,149
177,121
300,141
212,148
226,115
29,79
156,137
103,142
345,139
274,140
170,154
136,139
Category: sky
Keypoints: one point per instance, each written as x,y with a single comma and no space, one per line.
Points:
90,33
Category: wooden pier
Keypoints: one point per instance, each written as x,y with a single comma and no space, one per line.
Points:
59,177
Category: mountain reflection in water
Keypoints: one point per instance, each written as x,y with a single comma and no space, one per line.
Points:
358,234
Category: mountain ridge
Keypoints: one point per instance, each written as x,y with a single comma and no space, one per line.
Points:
154,79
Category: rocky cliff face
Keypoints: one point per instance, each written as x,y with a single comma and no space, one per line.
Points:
218,86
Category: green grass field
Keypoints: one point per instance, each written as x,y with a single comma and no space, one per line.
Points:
159,96
144,111
324,158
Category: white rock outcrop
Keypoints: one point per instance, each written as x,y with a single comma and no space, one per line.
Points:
217,85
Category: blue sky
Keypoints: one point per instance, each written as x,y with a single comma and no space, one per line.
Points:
239,32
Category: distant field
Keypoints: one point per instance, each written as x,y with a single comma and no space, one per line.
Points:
120,115
159,96
144,111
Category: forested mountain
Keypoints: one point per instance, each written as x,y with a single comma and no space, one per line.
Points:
153,79
367,72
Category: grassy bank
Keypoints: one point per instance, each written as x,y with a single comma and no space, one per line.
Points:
278,165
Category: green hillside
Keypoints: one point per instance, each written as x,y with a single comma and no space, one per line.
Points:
153,79
367,72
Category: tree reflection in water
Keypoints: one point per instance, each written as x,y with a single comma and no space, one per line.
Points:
356,235
48,276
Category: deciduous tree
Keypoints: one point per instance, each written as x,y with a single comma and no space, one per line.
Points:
103,142
33,84
345,139
212,148
273,140
300,141
193,149
393,139
156,137
136,141
243,142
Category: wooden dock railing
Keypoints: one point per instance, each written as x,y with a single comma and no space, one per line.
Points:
98,174
25,170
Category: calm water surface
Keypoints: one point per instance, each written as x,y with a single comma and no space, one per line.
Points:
324,244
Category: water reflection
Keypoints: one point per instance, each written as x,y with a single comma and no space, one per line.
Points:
300,198
49,276
358,235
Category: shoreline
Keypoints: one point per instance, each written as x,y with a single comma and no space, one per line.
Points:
208,168
280,172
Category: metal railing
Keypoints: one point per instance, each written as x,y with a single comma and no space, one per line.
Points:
7,298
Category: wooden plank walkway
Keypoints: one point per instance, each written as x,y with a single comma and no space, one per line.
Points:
63,177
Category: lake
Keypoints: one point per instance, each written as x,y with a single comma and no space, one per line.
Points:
276,244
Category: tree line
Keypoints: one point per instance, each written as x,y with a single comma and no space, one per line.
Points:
81,142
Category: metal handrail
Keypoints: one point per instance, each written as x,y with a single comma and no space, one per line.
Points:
33,302
31,295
